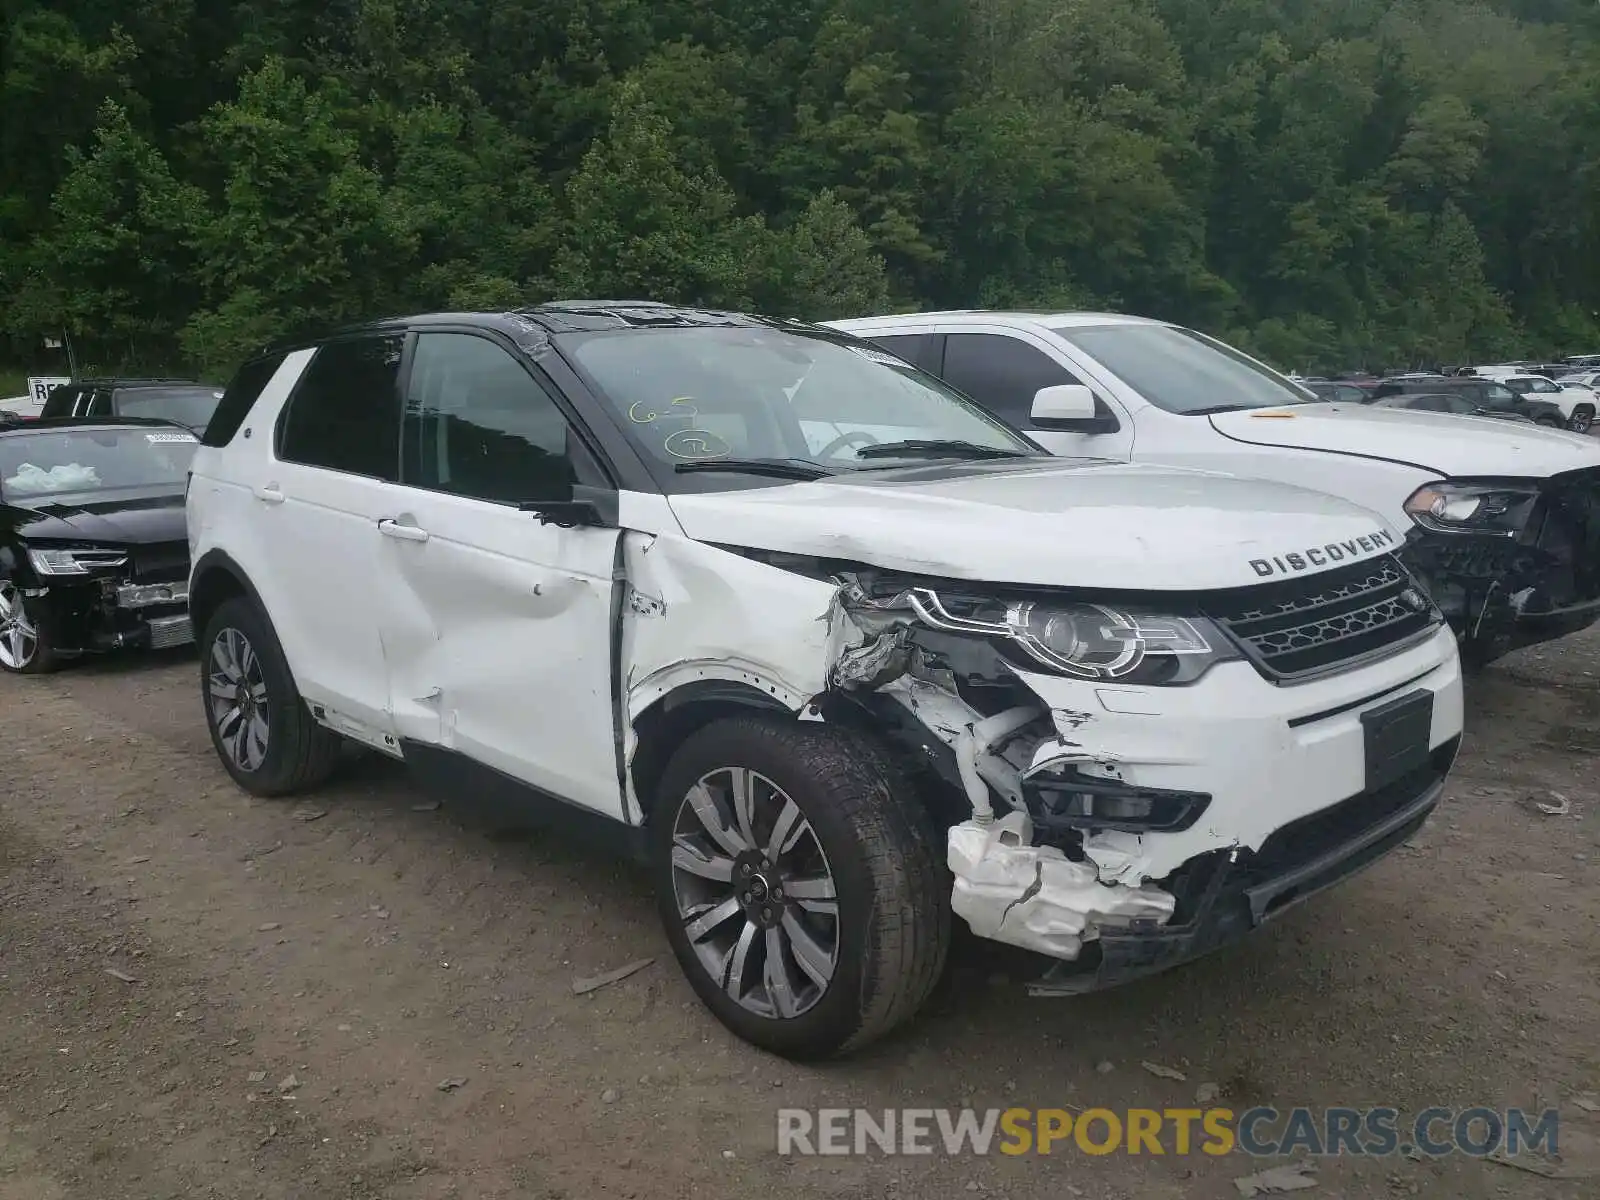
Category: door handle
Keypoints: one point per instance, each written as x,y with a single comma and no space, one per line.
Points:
269,494
406,533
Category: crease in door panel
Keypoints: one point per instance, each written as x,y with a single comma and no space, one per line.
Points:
619,715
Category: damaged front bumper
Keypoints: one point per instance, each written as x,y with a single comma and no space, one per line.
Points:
1147,825
1510,588
1226,894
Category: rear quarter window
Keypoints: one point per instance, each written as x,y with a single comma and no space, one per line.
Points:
240,397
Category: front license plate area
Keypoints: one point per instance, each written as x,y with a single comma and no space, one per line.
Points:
1397,738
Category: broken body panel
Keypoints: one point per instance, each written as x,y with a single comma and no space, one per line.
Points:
1241,756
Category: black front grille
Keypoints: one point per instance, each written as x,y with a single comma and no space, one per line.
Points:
162,562
1299,628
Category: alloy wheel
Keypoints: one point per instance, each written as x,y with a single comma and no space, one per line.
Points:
236,695
755,893
19,640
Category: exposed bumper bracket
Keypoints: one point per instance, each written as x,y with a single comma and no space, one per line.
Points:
1227,907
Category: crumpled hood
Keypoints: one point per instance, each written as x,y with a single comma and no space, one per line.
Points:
1049,522
1450,445
125,520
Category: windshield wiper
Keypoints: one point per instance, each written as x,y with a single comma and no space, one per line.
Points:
780,468
1216,408
936,448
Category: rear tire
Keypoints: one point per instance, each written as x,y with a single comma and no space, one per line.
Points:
260,727
820,803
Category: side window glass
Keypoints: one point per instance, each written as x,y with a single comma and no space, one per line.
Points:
344,414
99,405
477,424
1000,373
909,346
248,383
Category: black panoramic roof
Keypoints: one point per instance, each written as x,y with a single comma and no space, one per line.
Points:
572,316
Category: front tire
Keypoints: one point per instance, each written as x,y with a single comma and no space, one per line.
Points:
800,885
27,646
260,727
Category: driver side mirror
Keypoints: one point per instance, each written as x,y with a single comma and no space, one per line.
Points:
1071,407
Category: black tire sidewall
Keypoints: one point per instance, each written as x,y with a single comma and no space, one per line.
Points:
826,1026
283,698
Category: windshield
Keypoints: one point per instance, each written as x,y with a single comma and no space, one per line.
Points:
93,460
190,406
1183,371
702,395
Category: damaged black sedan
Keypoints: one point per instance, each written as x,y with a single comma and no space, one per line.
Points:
93,551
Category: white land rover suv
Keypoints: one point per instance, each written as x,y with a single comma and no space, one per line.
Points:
1501,521
833,650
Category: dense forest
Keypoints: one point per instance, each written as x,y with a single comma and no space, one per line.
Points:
1331,183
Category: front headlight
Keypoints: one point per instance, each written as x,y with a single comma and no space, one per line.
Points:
1493,508
73,562
1087,641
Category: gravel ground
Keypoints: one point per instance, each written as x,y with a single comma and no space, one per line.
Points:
203,994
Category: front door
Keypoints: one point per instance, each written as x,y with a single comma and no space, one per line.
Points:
497,628
1003,372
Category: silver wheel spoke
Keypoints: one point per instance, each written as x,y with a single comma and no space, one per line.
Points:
226,724
705,808
817,888
776,976
738,958
808,952
240,743
709,917
695,861
257,737
219,686
742,786
787,830
220,655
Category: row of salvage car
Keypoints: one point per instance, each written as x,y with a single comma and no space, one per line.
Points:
802,618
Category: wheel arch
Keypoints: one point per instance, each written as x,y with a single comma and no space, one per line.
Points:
666,722
213,580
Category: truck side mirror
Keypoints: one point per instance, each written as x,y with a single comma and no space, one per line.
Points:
1063,402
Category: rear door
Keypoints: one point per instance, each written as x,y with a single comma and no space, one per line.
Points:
496,626
317,501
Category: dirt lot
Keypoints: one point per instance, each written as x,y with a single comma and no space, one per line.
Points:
371,947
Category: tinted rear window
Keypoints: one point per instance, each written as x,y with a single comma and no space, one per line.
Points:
240,397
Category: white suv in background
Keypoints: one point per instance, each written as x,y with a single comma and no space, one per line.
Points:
1501,521
833,650
1575,400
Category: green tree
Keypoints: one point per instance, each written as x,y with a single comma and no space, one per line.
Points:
117,266
641,224
304,233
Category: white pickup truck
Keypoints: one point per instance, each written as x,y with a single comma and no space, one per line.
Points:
1501,521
